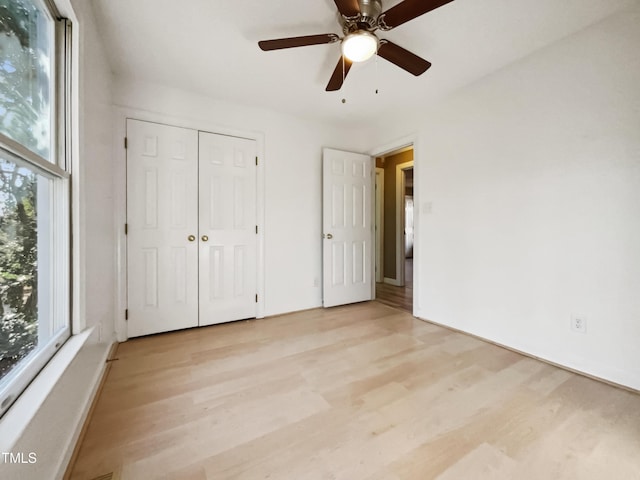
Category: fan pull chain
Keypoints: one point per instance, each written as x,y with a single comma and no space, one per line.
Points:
344,76
377,77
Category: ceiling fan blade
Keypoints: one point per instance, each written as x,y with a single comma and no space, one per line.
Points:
339,74
291,42
348,8
408,10
403,58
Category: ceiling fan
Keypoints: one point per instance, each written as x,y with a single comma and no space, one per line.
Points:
359,20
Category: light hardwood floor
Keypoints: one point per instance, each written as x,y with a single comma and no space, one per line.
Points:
363,392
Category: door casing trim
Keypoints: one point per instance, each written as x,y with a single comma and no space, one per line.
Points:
400,221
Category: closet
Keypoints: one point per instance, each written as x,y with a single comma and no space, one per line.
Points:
191,228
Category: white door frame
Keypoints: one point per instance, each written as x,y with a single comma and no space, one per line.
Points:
385,150
400,221
379,224
120,201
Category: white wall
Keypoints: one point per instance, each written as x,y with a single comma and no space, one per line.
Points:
52,433
97,178
292,159
533,176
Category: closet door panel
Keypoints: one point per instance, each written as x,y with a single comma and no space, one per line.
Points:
227,240
162,213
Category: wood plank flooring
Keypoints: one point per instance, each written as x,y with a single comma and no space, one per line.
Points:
363,392
398,297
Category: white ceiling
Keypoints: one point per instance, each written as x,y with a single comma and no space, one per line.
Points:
210,47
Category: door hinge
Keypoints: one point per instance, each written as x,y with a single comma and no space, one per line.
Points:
256,229
126,314
256,298
126,229
126,143
256,160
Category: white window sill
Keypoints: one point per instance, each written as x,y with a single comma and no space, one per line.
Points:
15,421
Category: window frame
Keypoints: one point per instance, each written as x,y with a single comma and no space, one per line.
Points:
58,171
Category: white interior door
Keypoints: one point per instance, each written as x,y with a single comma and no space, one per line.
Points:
347,227
162,218
228,232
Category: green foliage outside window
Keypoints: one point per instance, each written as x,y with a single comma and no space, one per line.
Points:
18,265
25,115
25,46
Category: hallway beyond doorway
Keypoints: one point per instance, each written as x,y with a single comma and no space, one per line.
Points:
398,297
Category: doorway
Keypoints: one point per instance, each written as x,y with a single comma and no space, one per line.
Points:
394,228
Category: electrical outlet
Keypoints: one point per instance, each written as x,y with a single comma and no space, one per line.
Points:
579,323
316,282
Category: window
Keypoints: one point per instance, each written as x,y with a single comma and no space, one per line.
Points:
34,192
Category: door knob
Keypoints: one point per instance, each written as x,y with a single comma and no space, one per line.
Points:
329,236
191,238
205,238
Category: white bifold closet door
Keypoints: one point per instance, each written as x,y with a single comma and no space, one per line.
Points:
191,216
162,213
227,228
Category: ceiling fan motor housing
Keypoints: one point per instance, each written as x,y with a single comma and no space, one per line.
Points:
367,19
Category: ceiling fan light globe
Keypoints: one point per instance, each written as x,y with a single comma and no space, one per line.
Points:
359,46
